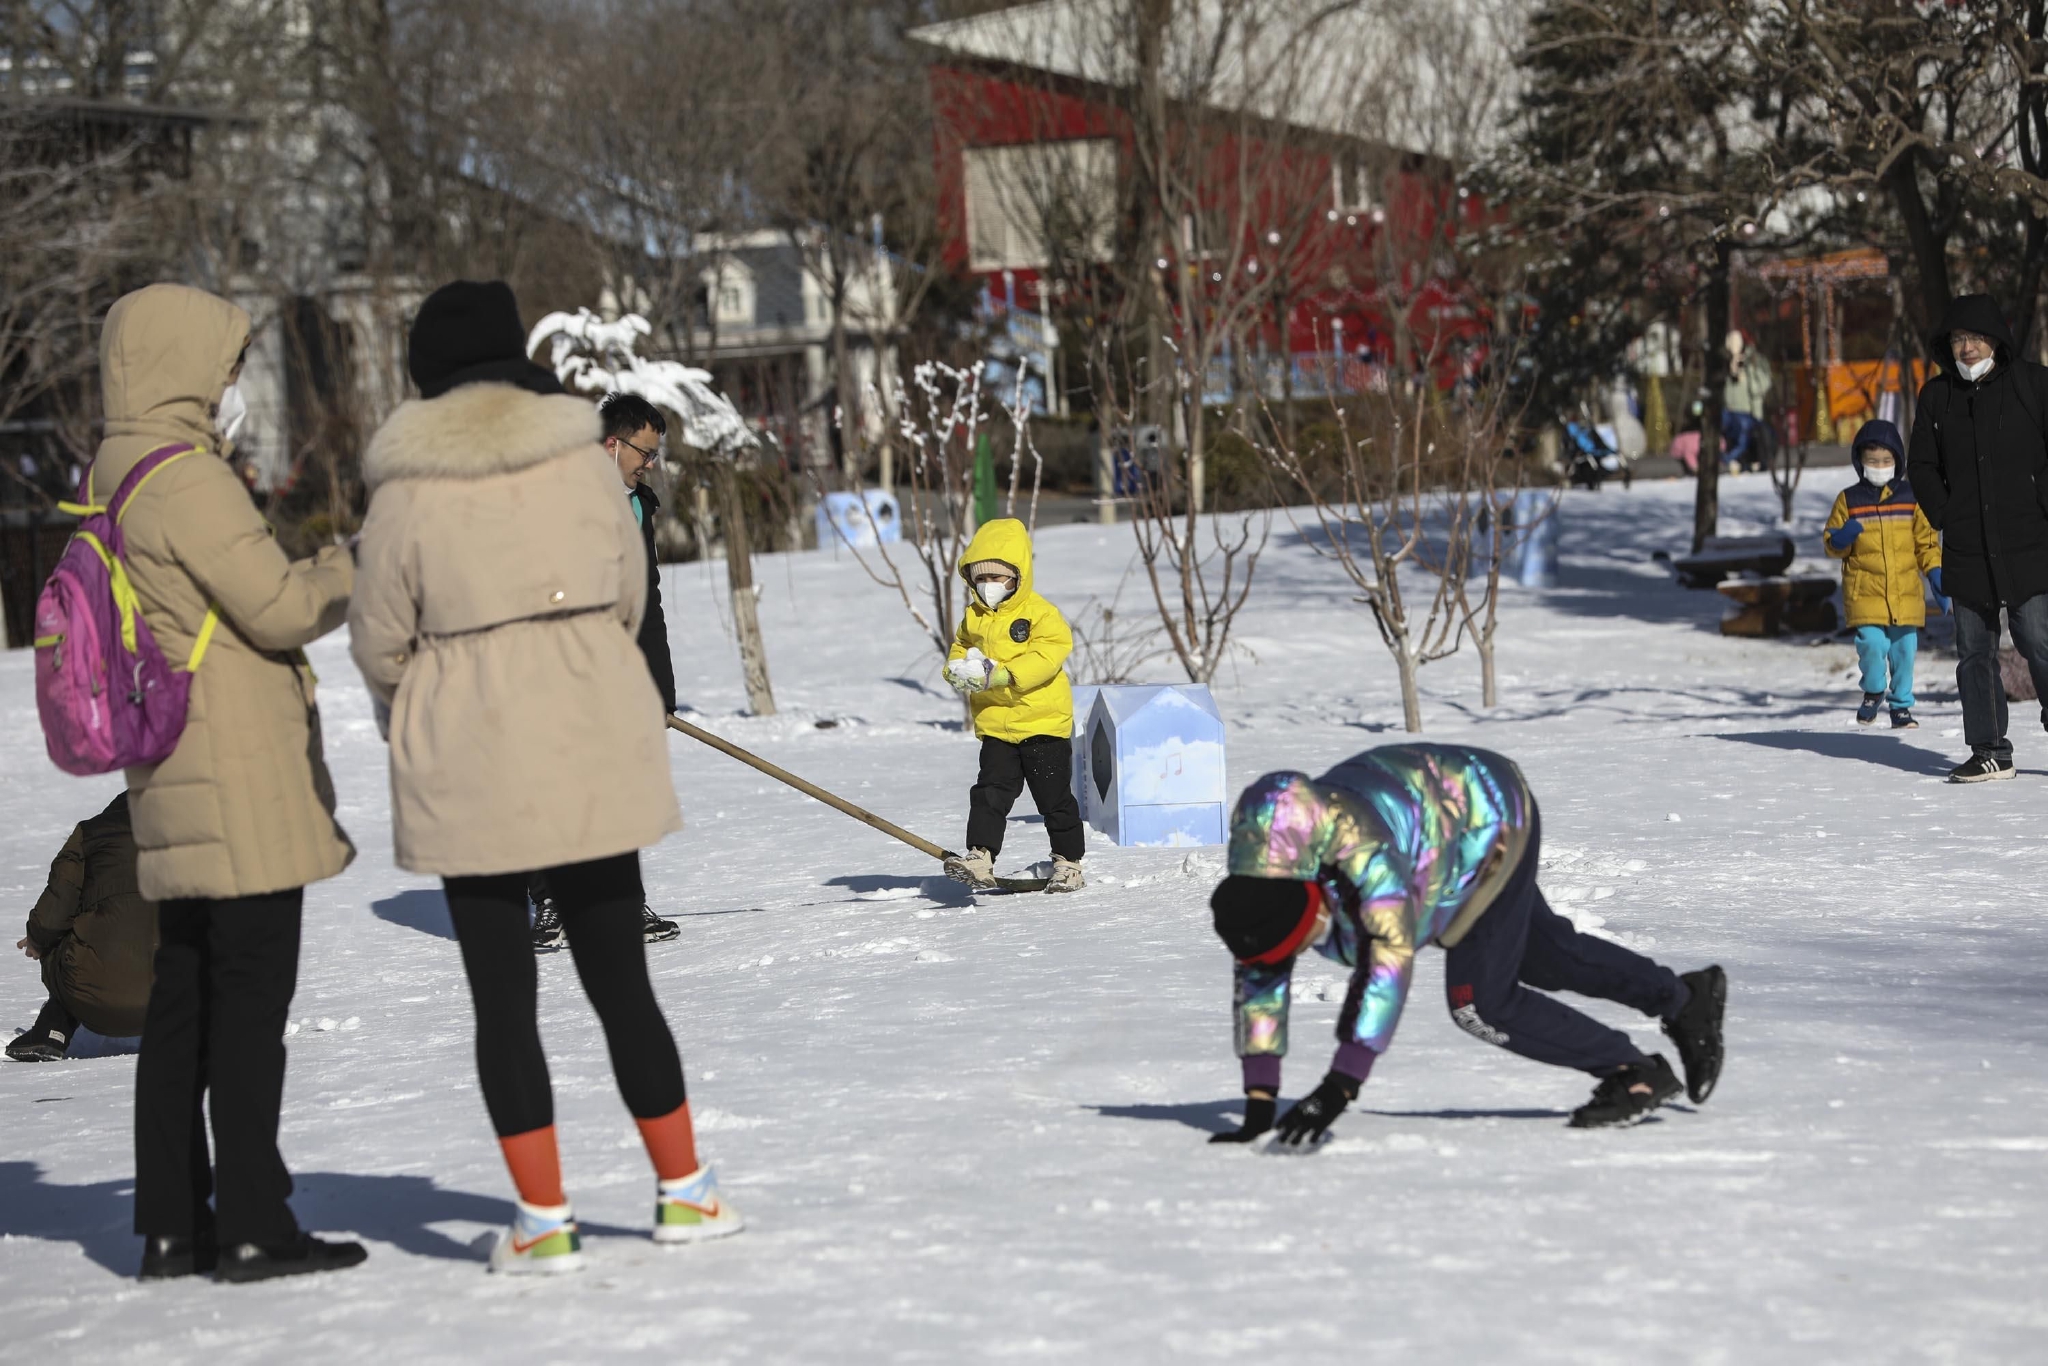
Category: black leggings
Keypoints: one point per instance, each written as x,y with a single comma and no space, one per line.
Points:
600,904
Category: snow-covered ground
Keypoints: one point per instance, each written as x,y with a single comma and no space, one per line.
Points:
967,1133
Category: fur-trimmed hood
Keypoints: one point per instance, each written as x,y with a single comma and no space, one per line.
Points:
476,430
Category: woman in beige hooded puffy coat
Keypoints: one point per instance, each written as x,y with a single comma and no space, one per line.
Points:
501,585
233,825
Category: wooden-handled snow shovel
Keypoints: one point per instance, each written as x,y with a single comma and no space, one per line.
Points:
861,814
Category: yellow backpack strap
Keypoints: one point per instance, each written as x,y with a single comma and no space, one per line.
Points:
88,507
203,639
125,599
129,501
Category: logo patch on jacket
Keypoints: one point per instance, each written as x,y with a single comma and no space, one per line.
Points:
1020,630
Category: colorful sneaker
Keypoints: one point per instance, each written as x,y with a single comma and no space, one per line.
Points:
691,1210
1867,713
543,1240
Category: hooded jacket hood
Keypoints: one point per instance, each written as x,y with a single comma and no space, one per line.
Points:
165,355
1878,432
1006,540
1977,313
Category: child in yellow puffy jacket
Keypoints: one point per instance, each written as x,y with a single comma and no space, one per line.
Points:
1885,543
1008,659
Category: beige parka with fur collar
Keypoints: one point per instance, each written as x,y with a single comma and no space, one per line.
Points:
500,582
244,805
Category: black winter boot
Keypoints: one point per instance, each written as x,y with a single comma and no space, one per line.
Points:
1628,1096
1696,1031
255,1262
48,1038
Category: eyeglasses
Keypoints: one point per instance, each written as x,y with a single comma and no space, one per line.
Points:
654,454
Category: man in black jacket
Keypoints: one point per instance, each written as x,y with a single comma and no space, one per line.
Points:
1978,463
633,429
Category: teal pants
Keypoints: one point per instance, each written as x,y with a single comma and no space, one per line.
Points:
1888,650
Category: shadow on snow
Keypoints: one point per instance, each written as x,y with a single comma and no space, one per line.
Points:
422,908
398,1210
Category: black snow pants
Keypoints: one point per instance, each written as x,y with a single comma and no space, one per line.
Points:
1045,762
600,905
1521,943
214,1031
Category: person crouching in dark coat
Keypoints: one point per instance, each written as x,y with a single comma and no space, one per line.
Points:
1978,463
94,933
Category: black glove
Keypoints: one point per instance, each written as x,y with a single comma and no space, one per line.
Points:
1258,1117
1316,1111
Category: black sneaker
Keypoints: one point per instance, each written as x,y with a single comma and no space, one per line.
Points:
165,1259
1867,713
654,929
255,1262
1982,768
547,926
1617,1100
1902,719
1696,1031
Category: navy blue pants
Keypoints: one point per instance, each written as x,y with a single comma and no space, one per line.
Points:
1521,943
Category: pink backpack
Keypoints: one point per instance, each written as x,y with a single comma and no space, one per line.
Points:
108,697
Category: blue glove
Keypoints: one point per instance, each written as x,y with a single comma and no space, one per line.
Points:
1934,577
1844,536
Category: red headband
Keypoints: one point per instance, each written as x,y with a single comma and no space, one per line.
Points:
1298,936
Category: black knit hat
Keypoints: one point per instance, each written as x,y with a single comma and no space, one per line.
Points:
1255,915
468,333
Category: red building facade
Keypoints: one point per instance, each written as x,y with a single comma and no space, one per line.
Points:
1362,235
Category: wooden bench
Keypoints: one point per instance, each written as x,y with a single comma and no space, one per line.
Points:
1721,556
1773,606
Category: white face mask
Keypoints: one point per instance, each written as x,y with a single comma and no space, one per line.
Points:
231,412
992,592
1879,474
1973,373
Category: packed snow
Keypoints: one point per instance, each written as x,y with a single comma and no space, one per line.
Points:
968,1132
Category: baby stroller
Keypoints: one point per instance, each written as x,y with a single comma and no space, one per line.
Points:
1589,459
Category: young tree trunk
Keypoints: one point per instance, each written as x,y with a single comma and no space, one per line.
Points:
1706,511
1411,696
1489,689
739,577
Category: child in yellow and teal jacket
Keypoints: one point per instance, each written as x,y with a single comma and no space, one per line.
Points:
1885,543
1008,660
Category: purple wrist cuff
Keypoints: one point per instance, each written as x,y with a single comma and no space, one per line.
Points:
1262,1072
1354,1060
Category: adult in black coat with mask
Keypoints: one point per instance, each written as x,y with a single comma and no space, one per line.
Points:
1978,462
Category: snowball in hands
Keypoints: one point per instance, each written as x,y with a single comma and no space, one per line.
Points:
970,674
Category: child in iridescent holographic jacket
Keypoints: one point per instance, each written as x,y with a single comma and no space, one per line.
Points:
1417,844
